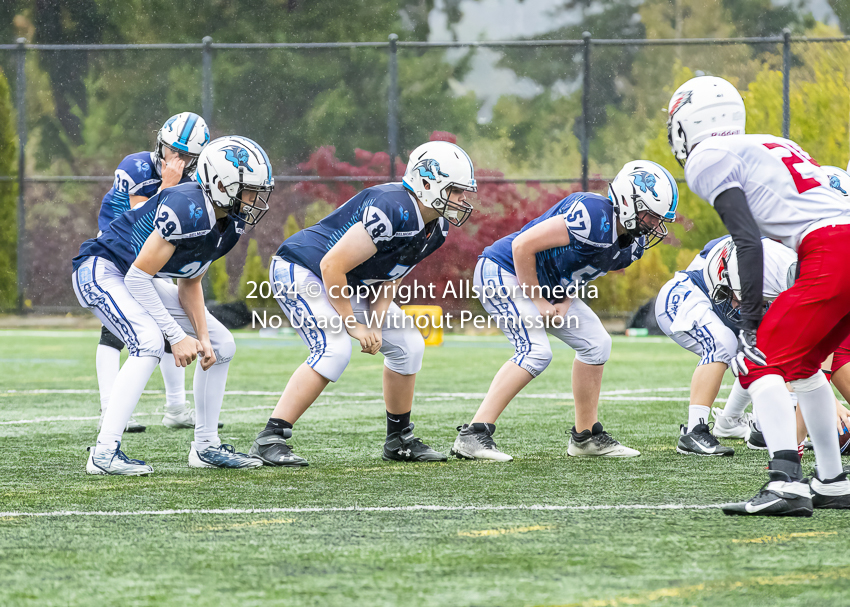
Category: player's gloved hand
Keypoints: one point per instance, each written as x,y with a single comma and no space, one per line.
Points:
747,350
186,350
369,338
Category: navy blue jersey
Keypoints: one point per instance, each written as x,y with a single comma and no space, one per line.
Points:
135,176
594,248
183,217
391,217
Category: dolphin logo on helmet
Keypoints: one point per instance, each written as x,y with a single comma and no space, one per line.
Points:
238,156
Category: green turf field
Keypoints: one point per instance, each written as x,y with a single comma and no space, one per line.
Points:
348,530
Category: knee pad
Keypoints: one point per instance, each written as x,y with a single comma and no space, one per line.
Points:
108,339
330,353
810,384
225,350
405,357
536,359
596,352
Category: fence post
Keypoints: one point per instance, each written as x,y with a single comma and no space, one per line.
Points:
585,105
207,92
21,86
786,83
392,113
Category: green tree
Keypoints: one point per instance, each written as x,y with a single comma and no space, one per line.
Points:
255,271
8,196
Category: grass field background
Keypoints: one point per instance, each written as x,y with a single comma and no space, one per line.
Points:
490,547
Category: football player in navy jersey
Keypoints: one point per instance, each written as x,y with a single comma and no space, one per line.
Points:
138,177
373,240
527,282
177,233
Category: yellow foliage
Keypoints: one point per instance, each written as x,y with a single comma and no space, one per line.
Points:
255,272
316,212
219,280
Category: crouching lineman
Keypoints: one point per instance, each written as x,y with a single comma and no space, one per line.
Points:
698,309
177,233
138,177
763,185
581,238
374,239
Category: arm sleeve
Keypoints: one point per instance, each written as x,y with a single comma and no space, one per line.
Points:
139,284
732,207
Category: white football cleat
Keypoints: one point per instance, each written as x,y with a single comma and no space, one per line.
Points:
181,419
597,443
221,456
475,441
103,460
730,427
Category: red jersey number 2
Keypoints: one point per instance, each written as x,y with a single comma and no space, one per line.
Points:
797,156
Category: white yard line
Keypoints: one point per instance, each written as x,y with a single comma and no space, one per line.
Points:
418,508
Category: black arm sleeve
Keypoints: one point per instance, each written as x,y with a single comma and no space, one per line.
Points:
732,207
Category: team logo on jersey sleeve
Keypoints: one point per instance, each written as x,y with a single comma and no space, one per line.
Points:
429,168
195,213
142,166
835,184
645,182
238,156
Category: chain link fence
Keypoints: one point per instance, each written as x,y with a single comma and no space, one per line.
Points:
260,90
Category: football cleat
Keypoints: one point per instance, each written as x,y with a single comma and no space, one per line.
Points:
132,424
597,443
475,441
700,441
833,493
182,419
404,447
780,496
270,447
729,427
755,439
103,460
221,456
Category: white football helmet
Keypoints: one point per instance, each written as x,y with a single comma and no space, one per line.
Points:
236,164
721,277
186,134
703,107
642,185
433,170
839,181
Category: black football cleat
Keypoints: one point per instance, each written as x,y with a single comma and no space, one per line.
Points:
700,441
780,496
832,494
271,448
404,447
755,439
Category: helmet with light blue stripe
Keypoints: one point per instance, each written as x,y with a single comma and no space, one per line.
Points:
645,197
185,133
236,175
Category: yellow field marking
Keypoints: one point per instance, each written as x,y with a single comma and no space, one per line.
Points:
270,521
784,537
652,597
491,532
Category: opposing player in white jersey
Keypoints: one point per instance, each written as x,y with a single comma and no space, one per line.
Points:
763,185
138,177
699,311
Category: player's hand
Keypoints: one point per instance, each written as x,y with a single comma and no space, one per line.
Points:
562,307
546,309
843,415
747,351
206,354
370,339
186,350
172,172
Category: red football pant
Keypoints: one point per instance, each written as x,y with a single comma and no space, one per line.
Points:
810,320
842,355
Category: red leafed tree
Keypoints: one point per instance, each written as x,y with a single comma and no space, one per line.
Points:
500,209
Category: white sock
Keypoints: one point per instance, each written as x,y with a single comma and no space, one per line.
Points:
697,414
775,413
738,400
818,408
175,384
107,361
794,399
126,392
209,396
